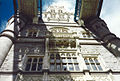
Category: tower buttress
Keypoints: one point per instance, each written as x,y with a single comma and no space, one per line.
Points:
100,29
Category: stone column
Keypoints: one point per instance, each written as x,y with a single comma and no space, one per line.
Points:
45,68
7,37
100,29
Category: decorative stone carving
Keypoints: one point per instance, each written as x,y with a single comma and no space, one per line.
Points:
32,78
32,49
65,78
57,14
62,32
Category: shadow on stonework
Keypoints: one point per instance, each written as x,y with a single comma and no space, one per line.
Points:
35,49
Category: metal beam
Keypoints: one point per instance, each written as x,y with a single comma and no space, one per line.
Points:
29,8
87,8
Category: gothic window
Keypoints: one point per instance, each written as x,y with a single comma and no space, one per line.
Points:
93,64
32,33
34,64
64,63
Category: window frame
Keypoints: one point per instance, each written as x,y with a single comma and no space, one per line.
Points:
92,64
37,64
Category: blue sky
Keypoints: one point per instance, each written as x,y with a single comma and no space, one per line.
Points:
110,12
6,11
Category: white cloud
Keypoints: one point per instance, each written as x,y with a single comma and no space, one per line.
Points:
111,14
68,4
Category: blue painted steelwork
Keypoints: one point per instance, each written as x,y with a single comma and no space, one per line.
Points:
77,10
40,8
99,7
15,3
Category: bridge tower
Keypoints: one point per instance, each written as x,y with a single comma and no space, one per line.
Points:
56,45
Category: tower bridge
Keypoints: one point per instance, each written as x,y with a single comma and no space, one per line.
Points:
56,45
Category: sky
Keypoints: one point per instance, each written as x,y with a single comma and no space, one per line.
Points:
110,12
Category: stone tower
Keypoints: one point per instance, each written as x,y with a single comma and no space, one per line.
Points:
55,49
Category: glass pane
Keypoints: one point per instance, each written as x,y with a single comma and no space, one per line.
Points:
52,60
33,67
58,67
64,60
34,34
75,60
94,67
58,56
39,67
52,67
35,60
88,67
86,60
40,59
91,61
52,56
57,60
71,68
27,67
30,60
76,67
99,67
64,67
69,60
96,61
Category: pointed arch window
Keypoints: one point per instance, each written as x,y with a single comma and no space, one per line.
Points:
32,33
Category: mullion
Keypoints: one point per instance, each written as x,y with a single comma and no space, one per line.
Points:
37,64
96,63
34,64
90,64
31,64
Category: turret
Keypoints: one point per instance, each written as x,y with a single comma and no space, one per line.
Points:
8,36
